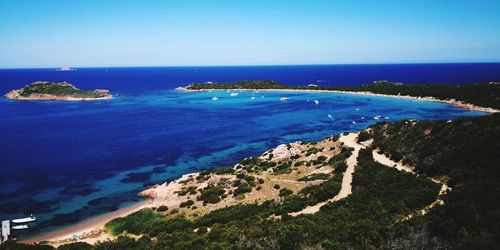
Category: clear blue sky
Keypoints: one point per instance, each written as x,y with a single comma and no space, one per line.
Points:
51,33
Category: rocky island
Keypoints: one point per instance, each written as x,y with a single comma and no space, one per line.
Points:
61,91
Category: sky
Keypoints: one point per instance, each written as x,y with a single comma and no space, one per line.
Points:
91,33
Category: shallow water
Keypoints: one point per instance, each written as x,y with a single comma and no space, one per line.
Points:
67,161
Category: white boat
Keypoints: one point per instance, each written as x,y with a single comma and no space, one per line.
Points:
353,122
316,101
215,98
376,117
234,94
284,99
25,220
253,97
20,227
357,109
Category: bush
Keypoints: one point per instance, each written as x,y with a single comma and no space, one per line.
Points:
242,189
315,176
363,136
276,186
340,167
211,195
284,168
285,192
135,223
224,171
162,208
186,203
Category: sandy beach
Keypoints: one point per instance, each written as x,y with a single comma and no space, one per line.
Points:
90,231
93,230
456,103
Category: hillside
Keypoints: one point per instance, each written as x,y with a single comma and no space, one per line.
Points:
56,91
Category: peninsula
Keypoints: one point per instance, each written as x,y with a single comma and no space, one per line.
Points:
483,97
390,185
61,91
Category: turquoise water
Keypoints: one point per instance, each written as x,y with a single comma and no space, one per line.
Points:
67,161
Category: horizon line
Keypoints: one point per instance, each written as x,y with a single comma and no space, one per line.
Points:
252,65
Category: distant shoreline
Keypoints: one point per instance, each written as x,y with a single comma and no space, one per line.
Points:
455,103
92,230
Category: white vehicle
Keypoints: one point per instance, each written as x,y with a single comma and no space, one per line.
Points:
25,220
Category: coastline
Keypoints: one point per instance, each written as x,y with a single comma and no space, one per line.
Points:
17,94
91,230
453,102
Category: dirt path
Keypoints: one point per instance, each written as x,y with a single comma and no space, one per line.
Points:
381,158
346,189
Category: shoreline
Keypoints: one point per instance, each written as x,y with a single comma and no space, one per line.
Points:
453,102
90,230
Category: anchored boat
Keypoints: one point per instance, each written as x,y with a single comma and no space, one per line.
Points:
24,220
20,227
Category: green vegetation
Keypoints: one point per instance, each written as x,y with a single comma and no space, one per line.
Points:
249,84
316,176
485,94
285,192
284,168
363,136
186,203
59,89
242,189
224,171
211,194
465,151
374,216
162,208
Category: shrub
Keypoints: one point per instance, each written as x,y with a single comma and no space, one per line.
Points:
276,186
315,176
284,168
211,195
162,208
224,171
285,192
242,189
340,166
363,136
312,151
186,203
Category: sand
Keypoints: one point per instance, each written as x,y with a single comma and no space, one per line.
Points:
346,188
90,231
456,103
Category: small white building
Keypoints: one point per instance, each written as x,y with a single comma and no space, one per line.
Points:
5,231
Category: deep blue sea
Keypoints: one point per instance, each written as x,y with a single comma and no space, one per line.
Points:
68,161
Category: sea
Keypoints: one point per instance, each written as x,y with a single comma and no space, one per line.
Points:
66,162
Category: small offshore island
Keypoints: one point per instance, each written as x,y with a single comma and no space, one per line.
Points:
401,185
53,91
